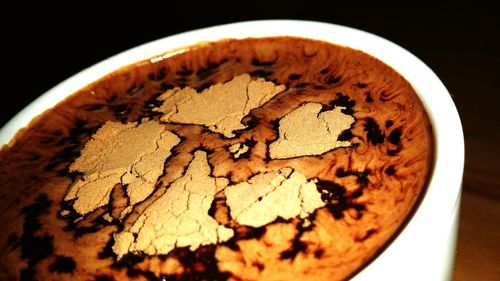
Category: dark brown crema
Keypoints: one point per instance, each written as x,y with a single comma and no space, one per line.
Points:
369,188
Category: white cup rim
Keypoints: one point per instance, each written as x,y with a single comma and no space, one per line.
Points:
443,193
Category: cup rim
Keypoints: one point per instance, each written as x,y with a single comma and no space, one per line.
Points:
443,191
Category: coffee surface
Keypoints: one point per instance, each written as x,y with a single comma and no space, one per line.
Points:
254,159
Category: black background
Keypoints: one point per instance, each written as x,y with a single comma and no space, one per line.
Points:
43,44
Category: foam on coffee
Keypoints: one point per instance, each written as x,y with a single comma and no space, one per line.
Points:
276,202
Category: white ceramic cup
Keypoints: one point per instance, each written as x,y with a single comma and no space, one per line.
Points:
425,248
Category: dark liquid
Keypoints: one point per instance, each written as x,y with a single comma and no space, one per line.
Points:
369,188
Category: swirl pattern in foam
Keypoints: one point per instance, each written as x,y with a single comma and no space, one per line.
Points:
368,185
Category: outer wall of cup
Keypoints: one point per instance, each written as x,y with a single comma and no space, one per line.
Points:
424,249
417,256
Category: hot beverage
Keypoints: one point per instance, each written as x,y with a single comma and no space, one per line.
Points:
257,159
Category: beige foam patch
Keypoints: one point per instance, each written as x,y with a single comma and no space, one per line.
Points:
305,131
267,196
129,154
238,149
179,218
220,107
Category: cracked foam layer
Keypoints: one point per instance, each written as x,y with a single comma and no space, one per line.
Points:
238,149
221,107
267,196
129,154
179,218
308,131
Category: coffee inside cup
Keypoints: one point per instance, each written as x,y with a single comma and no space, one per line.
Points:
253,159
